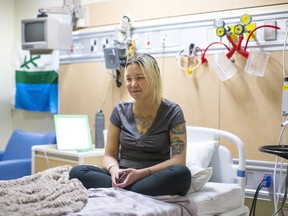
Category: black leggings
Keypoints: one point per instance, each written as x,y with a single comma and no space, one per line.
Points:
174,180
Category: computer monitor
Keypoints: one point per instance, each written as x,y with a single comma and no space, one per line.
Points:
43,35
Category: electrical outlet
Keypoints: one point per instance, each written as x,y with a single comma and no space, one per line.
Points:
94,45
249,180
148,40
105,41
270,34
170,38
267,183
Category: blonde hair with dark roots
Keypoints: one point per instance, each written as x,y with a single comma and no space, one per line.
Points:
151,71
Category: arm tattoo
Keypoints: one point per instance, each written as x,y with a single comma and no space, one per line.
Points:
177,144
179,129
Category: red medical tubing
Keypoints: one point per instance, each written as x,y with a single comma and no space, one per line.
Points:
269,26
236,47
203,59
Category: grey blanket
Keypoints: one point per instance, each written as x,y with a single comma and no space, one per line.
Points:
120,202
46,193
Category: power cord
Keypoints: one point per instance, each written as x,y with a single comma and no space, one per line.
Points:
277,193
284,197
46,157
253,206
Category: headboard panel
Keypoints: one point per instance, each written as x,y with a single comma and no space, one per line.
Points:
223,168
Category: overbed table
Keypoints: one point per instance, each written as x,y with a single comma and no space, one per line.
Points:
48,156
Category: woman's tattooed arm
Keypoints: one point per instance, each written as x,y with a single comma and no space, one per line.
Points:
178,139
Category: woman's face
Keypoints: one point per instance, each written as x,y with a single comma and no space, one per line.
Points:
136,83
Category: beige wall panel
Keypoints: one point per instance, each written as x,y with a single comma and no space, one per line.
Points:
250,106
198,93
111,11
85,88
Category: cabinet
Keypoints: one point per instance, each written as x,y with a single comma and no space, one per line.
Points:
48,156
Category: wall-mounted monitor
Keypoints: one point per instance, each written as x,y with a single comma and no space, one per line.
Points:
43,35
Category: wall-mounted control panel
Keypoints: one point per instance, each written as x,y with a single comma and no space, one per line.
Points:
166,37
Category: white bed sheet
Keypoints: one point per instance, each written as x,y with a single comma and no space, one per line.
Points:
215,198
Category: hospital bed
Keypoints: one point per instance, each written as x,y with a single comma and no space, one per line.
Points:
224,193
217,187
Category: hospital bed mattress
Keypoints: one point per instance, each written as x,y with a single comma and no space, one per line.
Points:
216,198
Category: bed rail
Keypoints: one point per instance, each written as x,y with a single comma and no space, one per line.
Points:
224,170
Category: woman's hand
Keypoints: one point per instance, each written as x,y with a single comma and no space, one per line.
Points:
121,177
115,174
129,176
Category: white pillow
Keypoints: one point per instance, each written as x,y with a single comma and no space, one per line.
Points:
200,153
200,176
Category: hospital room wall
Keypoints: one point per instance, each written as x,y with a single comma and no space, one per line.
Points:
110,11
11,12
6,20
203,88
246,105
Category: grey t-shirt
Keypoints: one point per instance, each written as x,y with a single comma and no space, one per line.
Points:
144,150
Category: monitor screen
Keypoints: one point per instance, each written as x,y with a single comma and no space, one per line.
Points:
34,31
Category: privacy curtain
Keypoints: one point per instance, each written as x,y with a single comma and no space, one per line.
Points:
36,79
